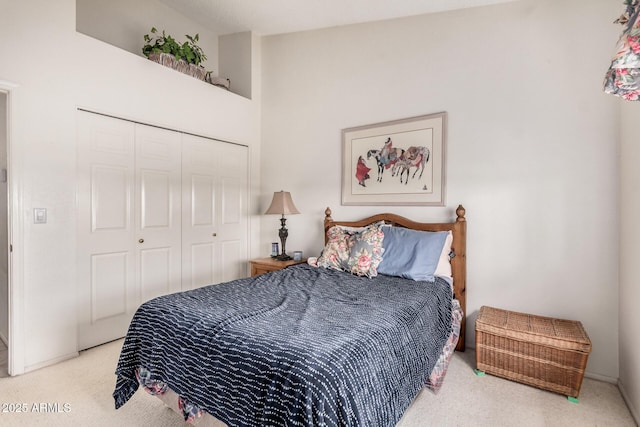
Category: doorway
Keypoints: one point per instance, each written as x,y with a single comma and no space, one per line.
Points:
4,237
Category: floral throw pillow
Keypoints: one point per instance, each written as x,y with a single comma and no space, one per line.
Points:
357,252
365,251
336,251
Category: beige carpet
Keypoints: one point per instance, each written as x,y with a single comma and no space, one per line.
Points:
85,385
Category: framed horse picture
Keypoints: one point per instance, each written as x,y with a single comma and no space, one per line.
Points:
401,162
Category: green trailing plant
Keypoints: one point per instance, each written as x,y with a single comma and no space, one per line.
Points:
192,52
165,43
159,43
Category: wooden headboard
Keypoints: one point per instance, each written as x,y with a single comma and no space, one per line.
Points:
459,248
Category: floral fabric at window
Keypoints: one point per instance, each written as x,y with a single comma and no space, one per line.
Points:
623,77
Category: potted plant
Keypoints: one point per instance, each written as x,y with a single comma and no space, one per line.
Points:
184,57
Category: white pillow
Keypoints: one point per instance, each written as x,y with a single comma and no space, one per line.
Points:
443,268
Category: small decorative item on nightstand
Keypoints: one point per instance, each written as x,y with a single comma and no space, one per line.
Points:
297,255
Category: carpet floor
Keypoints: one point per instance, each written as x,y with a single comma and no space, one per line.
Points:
77,392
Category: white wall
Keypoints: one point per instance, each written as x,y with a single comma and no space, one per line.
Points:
236,61
532,144
629,254
51,85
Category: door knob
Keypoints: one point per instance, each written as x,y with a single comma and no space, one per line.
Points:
141,241
215,234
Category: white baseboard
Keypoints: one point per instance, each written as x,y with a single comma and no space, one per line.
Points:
50,362
602,378
627,400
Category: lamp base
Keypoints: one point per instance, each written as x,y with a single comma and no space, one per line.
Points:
283,257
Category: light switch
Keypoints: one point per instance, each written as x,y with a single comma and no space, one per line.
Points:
39,216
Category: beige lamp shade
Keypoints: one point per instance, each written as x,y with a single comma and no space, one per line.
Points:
282,204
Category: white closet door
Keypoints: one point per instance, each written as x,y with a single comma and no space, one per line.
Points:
214,211
107,294
158,212
129,236
233,211
158,206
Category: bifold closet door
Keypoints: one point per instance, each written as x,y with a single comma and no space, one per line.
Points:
214,211
158,211
107,290
129,224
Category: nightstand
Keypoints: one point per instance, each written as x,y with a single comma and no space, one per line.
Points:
265,265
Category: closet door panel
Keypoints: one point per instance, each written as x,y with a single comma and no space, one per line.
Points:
232,203
155,200
202,196
214,239
233,262
109,285
158,211
110,197
232,235
199,249
155,272
106,287
200,218
202,268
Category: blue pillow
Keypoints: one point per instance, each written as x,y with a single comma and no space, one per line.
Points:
411,254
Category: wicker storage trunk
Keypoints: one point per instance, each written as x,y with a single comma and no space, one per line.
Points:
543,352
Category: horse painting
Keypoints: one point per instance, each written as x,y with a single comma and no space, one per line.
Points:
376,154
386,157
413,157
362,171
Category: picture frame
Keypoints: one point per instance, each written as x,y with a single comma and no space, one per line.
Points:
400,162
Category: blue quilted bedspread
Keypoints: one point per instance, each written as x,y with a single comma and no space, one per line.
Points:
303,346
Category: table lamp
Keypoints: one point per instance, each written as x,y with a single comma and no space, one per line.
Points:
282,205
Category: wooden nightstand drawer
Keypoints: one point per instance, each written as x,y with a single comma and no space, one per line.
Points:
266,265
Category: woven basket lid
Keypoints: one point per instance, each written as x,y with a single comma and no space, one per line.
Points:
558,333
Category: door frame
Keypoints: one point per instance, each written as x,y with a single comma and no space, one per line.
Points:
15,233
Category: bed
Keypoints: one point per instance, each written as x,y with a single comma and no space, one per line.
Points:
308,345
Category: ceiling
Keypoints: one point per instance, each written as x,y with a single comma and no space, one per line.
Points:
269,17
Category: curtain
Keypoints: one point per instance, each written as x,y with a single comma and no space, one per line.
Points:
623,77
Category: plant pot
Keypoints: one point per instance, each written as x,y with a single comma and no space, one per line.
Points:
164,59
181,65
196,71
